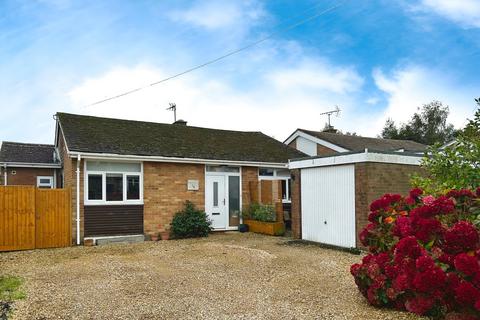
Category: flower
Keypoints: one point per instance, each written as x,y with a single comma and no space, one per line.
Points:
466,294
466,264
463,236
415,193
428,199
419,305
389,220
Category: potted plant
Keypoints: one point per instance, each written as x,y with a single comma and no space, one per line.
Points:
261,218
154,237
165,235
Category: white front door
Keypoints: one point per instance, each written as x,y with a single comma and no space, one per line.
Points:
215,204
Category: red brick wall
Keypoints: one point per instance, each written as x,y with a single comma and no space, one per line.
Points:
165,192
293,144
70,181
324,151
372,180
248,174
296,204
25,176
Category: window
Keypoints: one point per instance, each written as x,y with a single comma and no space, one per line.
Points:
133,187
113,182
278,174
266,172
94,187
222,169
45,182
114,187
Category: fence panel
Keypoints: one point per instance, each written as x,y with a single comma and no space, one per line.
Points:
53,222
34,218
17,218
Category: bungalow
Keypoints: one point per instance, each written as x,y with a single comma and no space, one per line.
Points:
29,164
130,177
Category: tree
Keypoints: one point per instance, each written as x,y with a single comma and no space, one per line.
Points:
456,166
428,126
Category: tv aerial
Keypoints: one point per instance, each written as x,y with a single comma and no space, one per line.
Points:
329,114
173,107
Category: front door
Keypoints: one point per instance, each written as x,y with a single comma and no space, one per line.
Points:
215,204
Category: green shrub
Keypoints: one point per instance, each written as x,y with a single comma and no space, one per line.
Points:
190,223
260,212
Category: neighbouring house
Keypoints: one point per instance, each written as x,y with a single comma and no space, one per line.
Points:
130,177
321,143
29,164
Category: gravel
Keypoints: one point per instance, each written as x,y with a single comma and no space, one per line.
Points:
224,276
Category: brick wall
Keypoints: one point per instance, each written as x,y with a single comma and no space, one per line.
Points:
372,180
324,151
70,181
248,174
24,176
293,144
296,204
165,192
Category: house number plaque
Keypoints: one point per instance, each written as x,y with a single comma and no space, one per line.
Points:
192,185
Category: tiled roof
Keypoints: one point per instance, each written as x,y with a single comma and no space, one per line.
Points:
126,137
27,153
357,143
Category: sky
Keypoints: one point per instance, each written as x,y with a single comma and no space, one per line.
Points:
375,59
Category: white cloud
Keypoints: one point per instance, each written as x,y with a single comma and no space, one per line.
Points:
413,86
318,75
464,12
219,14
204,101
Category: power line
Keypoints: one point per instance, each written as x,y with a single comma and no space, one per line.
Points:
231,53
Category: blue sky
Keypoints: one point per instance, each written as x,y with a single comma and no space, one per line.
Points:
374,58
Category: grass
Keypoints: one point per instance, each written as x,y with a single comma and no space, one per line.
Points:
10,288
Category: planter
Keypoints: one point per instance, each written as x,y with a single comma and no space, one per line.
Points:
154,237
165,235
243,227
269,228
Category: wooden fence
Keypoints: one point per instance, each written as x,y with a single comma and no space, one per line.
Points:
33,218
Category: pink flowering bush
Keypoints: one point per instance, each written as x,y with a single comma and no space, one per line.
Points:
424,254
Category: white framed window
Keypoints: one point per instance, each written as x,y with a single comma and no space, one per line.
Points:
109,183
45,182
278,174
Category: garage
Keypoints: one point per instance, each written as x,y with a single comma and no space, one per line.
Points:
328,211
331,195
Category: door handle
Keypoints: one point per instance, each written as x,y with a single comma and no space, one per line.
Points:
215,213
224,201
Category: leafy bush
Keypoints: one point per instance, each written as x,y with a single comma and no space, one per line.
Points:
190,223
424,254
455,166
260,212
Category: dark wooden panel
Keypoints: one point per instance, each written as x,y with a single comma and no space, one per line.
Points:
113,220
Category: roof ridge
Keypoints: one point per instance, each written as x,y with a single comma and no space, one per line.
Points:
154,123
28,144
358,136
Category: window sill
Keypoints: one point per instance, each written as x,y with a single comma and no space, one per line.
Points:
113,203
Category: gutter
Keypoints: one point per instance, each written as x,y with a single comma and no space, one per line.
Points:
32,165
110,156
5,174
78,198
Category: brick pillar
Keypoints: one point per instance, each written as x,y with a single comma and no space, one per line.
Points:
296,205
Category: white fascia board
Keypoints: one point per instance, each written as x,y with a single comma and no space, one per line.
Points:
30,165
117,157
322,142
355,158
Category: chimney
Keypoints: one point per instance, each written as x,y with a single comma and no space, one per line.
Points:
329,129
180,122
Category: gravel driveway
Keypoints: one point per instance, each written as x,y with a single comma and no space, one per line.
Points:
224,276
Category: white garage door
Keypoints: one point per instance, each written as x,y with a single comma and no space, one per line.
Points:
328,205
